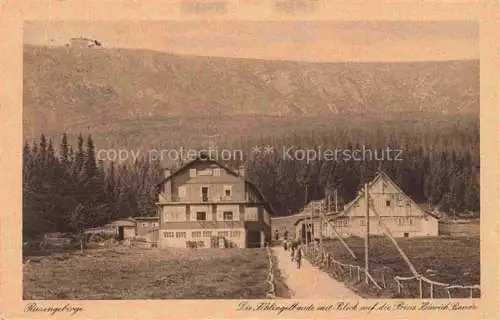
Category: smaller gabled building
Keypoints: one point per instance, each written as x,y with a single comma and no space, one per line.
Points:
148,228
130,228
397,211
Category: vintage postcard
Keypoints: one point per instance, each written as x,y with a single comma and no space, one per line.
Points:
249,159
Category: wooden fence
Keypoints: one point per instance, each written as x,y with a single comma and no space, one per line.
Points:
426,288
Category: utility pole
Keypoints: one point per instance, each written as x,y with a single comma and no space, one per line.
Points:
321,216
336,201
367,236
305,217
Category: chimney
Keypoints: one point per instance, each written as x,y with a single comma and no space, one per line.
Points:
241,170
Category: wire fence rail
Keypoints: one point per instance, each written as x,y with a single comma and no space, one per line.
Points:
448,288
354,273
342,271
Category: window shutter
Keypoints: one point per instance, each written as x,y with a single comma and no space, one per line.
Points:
182,191
220,216
236,215
192,173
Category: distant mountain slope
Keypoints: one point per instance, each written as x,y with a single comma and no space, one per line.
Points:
72,89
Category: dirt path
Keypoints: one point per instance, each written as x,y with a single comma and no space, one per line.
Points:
309,282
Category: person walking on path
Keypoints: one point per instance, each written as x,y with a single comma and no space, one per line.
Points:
309,282
292,252
298,256
276,234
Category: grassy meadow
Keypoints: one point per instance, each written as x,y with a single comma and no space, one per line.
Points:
453,260
131,273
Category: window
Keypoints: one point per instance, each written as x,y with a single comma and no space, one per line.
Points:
251,214
201,216
227,216
216,172
235,234
388,203
196,234
192,173
207,234
168,234
227,191
180,234
182,192
362,222
156,224
144,224
171,216
223,233
204,194
341,222
404,221
175,213
205,172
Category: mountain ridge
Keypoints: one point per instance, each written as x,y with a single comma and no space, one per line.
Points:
74,89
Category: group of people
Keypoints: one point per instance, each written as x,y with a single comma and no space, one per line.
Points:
295,248
295,251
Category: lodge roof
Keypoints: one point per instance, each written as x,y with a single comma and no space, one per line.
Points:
146,218
205,159
125,222
380,175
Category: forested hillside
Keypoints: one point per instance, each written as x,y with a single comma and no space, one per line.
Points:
440,164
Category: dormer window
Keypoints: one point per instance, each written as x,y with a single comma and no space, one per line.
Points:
227,191
192,173
204,194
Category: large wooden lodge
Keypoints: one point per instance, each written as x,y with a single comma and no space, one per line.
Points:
206,204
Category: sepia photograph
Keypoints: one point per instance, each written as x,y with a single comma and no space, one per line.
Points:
335,160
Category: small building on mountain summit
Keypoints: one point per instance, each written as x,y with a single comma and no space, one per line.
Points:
402,216
207,204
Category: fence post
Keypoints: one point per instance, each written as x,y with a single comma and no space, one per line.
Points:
420,287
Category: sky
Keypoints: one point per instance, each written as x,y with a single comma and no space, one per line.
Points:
314,41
